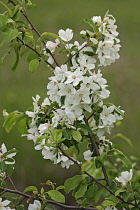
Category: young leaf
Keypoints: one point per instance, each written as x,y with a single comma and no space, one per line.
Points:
30,188
17,49
76,135
22,125
72,183
56,196
11,120
10,34
33,65
80,193
3,22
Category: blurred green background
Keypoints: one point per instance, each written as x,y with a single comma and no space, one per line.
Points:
17,88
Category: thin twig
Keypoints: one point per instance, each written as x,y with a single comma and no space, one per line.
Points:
35,30
11,181
35,52
74,54
94,146
48,201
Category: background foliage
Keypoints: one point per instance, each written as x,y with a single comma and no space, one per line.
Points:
123,78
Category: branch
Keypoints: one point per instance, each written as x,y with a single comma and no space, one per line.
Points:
35,52
97,181
74,54
48,201
35,30
11,181
97,153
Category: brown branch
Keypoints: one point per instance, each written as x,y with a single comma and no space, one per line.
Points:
11,181
35,30
74,54
48,201
94,146
35,52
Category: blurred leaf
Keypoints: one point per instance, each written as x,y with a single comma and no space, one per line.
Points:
10,170
52,35
3,166
10,34
72,183
80,193
30,188
124,138
33,65
32,55
99,161
91,23
119,191
76,135
5,54
122,157
3,22
16,13
10,12
22,125
17,49
11,120
56,196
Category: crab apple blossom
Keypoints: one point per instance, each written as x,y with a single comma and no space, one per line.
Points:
125,177
66,35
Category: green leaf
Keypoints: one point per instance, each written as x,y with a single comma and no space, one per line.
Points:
99,161
3,166
3,22
10,12
87,128
119,191
32,55
11,120
92,190
16,13
10,170
17,49
122,157
91,23
33,65
22,125
30,188
10,34
56,196
80,193
72,183
7,52
124,138
76,135
52,35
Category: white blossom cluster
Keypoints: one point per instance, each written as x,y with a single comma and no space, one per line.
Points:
102,41
77,91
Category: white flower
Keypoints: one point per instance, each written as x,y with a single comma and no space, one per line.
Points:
46,102
87,155
106,115
66,35
74,77
52,45
35,206
125,177
96,19
3,204
4,157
